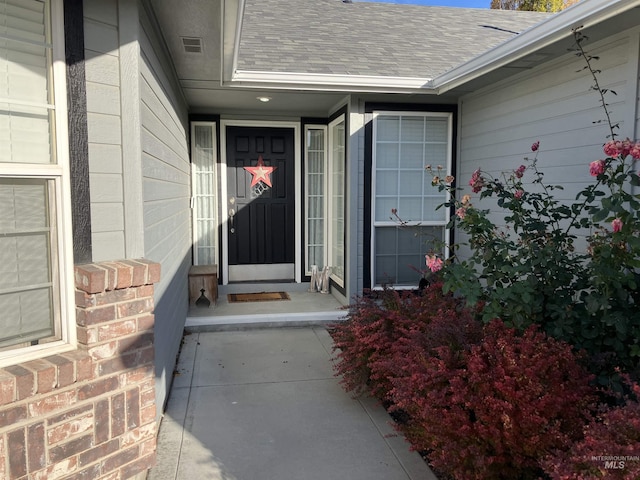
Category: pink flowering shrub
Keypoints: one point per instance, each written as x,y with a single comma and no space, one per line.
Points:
526,273
529,271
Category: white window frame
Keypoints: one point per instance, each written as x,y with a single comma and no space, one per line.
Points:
58,172
324,129
195,193
409,223
330,246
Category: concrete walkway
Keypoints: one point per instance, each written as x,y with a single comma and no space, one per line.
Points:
265,405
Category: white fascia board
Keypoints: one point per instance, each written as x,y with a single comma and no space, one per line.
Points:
583,14
320,81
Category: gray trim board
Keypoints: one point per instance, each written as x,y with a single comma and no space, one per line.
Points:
78,131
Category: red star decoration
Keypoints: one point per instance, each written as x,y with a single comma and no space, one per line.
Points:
260,172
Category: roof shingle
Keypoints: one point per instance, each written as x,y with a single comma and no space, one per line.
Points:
377,39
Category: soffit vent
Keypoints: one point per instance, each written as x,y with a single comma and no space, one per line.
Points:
191,44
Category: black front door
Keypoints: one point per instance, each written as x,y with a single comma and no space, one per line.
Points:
260,203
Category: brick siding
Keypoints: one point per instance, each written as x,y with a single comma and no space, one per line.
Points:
88,414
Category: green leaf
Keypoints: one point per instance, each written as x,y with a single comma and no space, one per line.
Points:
634,242
600,215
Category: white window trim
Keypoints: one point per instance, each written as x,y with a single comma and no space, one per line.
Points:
339,281
324,128
448,166
59,172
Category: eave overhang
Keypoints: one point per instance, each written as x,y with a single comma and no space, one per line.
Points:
582,15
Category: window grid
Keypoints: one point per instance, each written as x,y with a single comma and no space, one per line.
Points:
315,180
205,211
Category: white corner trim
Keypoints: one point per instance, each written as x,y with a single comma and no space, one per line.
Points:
236,43
559,26
313,81
130,101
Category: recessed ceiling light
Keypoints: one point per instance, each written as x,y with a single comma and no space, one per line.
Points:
264,99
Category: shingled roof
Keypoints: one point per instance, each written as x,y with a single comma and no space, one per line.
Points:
376,39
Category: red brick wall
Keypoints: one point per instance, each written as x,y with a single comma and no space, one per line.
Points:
89,413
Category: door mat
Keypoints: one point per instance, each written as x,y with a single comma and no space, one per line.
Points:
257,297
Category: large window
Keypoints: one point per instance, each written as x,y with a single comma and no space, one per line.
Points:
336,199
35,263
205,208
404,144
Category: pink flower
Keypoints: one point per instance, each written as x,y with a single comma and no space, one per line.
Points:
535,146
610,149
434,263
620,148
476,182
597,168
635,151
520,171
461,213
518,194
616,225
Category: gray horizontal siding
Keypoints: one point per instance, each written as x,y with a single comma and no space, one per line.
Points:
102,67
166,195
553,103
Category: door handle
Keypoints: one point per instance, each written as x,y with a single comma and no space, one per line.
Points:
232,214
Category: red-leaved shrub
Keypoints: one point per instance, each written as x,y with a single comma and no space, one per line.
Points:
610,447
494,411
375,327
